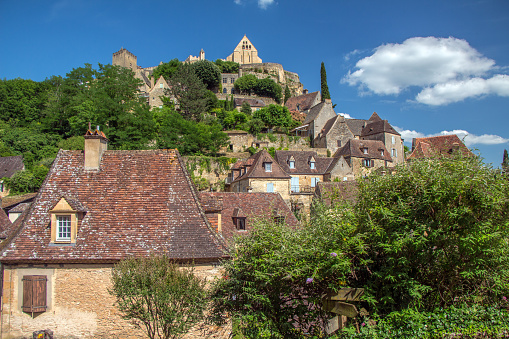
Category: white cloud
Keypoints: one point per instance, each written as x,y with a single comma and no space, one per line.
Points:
238,2
263,4
351,54
345,115
468,138
448,70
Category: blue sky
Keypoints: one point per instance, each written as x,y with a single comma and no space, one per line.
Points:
429,67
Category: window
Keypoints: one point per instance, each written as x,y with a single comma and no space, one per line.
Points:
232,91
270,187
279,220
161,85
224,90
232,80
394,152
365,150
34,293
63,228
314,181
268,167
291,164
339,143
225,80
312,165
393,140
368,163
1,186
382,152
240,223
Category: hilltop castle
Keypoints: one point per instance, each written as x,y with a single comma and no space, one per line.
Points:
245,54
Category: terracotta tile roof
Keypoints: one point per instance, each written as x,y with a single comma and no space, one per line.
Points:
4,223
302,102
334,192
251,102
255,167
10,165
302,162
12,200
354,148
298,116
443,145
139,202
20,208
252,206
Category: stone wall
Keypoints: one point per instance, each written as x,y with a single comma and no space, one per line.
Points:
79,305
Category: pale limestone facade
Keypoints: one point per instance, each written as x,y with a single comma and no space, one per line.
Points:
190,59
394,145
360,170
341,171
245,53
77,291
281,186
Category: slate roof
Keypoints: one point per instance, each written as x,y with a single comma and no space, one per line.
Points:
139,202
376,125
331,192
355,125
255,169
10,165
252,206
442,145
302,162
252,102
4,223
354,148
328,125
303,102
313,112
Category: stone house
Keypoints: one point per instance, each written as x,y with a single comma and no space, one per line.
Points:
259,173
233,214
364,156
8,167
315,121
300,105
338,130
228,81
255,104
439,146
97,207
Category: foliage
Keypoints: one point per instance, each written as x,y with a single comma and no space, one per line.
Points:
157,295
230,119
462,321
27,181
246,84
208,72
188,137
274,115
274,284
255,125
436,233
505,162
166,69
189,91
73,143
288,94
227,66
324,86
246,108
268,88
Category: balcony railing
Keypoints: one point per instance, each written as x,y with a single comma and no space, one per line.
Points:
299,189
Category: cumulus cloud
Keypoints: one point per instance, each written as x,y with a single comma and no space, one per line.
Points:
447,69
352,54
468,138
263,4
345,115
238,2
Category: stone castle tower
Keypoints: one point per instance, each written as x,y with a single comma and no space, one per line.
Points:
125,59
245,53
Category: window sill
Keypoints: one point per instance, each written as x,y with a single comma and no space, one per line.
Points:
62,243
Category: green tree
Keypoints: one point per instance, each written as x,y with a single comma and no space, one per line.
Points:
288,94
436,233
189,92
227,66
505,162
27,181
246,108
158,296
166,69
208,72
189,137
274,116
324,87
267,87
246,84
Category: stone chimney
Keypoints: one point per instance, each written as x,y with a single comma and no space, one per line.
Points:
95,145
305,91
328,101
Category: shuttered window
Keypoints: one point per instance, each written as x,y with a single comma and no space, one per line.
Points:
34,293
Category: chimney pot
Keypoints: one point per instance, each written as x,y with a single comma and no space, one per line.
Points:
95,145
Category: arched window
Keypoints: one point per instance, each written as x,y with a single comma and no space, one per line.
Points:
224,90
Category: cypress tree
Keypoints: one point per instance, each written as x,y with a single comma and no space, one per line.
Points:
325,88
505,162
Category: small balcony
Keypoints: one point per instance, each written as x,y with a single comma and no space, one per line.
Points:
299,189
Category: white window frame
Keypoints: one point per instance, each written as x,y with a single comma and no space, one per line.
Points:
291,164
394,152
365,150
270,187
393,139
64,228
312,165
314,181
268,167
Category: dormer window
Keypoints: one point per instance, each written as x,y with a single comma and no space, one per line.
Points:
312,165
268,167
382,152
240,223
365,150
291,164
65,216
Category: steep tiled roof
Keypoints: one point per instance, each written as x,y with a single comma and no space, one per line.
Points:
378,126
251,102
331,192
374,117
302,159
255,167
354,148
10,165
4,222
302,102
252,206
12,200
355,125
442,145
139,202
313,112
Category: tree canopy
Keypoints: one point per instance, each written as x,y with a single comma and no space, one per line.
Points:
274,115
227,66
208,72
166,69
